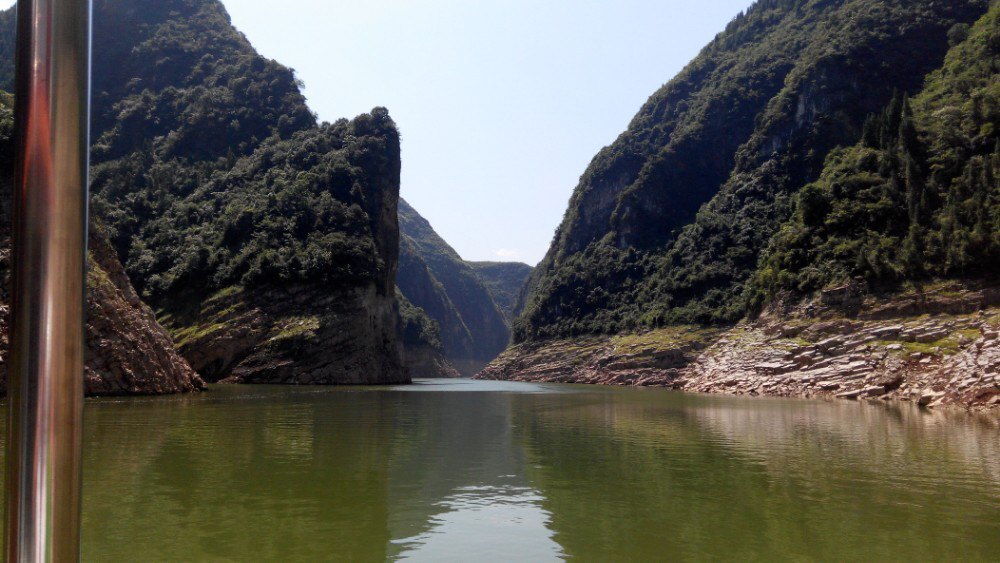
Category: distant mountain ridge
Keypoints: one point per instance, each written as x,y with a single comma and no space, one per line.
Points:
434,277
505,280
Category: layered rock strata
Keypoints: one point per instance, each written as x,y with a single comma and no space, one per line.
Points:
935,346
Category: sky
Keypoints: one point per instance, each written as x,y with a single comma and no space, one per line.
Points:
501,104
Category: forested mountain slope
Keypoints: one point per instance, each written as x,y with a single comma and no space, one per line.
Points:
266,243
434,277
880,278
918,198
668,222
423,353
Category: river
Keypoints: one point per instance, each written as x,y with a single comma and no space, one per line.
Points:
464,470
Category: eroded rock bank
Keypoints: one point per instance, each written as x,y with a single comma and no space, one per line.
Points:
298,334
127,351
937,345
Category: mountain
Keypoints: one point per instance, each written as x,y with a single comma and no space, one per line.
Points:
856,245
127,352
505,281
668,222
435,278
267,244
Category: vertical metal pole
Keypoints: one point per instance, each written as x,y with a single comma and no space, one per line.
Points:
49,261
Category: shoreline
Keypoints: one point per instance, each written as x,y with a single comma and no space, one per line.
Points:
937,347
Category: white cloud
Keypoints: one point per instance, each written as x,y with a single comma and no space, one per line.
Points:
508,254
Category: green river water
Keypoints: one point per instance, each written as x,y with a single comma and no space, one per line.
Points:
487,471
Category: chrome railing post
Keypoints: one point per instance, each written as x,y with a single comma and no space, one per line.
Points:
49,262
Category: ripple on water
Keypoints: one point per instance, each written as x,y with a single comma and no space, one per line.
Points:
485,522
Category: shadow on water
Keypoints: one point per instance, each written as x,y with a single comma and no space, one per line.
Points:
460,470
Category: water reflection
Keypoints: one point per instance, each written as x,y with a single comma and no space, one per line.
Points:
713,477
237,476
502,523
496,471
461,489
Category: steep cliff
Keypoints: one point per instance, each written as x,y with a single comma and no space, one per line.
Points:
505,280
282,269
436,279
667,223
267,244
127,351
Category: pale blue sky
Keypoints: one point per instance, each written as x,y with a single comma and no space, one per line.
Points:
501,104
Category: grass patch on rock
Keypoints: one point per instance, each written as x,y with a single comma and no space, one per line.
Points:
294,327
665,338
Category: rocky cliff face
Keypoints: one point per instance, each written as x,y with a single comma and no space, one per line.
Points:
296,334
436,279
313,302
127,351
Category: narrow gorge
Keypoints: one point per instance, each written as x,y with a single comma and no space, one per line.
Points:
469,303
809,208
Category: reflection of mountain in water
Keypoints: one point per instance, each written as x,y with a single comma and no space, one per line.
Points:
652,475
272,473
918,447
232,477
521,472
459,486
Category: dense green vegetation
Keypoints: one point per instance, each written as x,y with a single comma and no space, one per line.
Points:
298,210
917,198
435,278
209,169
668,223
505,281
178,95
417,328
